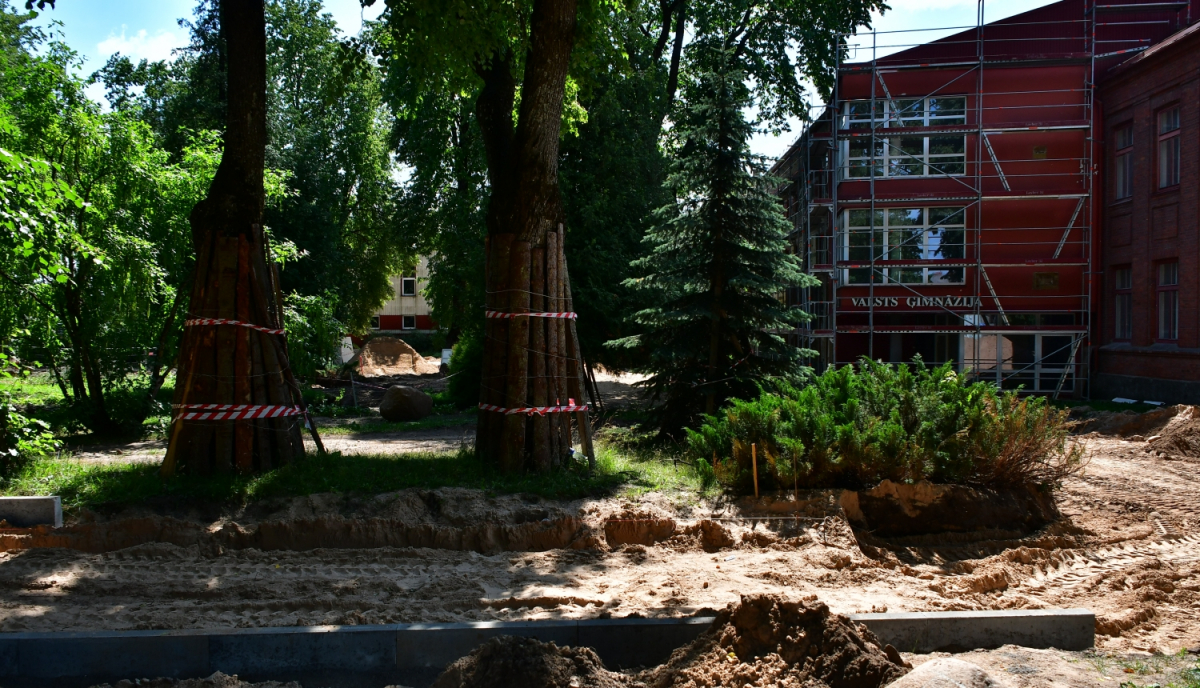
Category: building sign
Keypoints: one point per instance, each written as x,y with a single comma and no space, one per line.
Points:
916,302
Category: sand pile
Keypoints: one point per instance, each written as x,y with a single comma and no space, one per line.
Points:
383,356
766,640
217,680
763,641
509,661
1179,436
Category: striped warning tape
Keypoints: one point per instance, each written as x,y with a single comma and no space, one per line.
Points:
569,407
233,411
222,321
502,314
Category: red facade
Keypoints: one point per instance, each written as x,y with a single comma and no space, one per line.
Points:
1150,328
946,198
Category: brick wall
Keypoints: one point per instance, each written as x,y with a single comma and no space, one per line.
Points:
1153,225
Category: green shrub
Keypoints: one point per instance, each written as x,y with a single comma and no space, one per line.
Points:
466,371
22,440
858,425
314,335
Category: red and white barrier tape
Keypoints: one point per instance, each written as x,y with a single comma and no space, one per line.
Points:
222,321
502,314
569,407
233,411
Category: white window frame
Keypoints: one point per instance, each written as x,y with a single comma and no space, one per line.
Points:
408,322
930,245
888,156
405,282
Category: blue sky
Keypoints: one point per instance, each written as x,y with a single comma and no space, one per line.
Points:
149,29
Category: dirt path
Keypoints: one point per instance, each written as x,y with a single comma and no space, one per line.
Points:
1127,547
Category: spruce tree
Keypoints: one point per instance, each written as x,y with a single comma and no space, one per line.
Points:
718,263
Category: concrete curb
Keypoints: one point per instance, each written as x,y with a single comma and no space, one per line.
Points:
414,654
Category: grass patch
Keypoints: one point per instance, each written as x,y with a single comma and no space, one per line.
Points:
37,389
369,426
110,485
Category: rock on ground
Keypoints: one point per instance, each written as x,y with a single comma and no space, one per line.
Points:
947,672
405,403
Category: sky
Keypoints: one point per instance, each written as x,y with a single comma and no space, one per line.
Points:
149,29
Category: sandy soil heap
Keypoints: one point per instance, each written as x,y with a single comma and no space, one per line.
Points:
766,640
391,356
509,661
763,640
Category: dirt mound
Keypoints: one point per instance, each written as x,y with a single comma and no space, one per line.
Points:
510,661
766,640
1179,436
382,356
895,509
217,680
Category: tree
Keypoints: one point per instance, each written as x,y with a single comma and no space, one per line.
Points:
235,280
97,279
500,49
719,260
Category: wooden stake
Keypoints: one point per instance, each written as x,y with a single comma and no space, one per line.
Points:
754,466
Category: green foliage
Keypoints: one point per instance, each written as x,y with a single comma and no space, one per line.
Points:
331,136
314,336
466,370
717,263
22,440
856,426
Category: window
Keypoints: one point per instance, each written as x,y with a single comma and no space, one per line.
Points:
905,156
408,322
905,234
1123,163
1168,301
1168,147
1123,305
374,322
408,286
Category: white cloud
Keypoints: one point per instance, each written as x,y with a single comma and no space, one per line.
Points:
141,45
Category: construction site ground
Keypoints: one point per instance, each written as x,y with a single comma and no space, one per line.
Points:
1127,547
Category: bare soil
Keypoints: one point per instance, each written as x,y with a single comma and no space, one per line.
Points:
1126,546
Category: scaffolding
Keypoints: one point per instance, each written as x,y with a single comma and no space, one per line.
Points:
1024,218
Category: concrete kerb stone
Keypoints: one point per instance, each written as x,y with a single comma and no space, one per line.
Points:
27,512
424,649
1063,629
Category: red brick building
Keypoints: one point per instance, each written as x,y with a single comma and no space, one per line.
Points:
1150,326
950,195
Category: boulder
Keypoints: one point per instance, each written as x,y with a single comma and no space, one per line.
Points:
405,403
947,672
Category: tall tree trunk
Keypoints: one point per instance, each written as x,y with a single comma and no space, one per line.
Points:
234,280
524,356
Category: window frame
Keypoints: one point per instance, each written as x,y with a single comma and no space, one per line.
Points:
374,322
1170,139
405,320
1123,303
884,248
405,283
1123,163
888,155
1165,293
